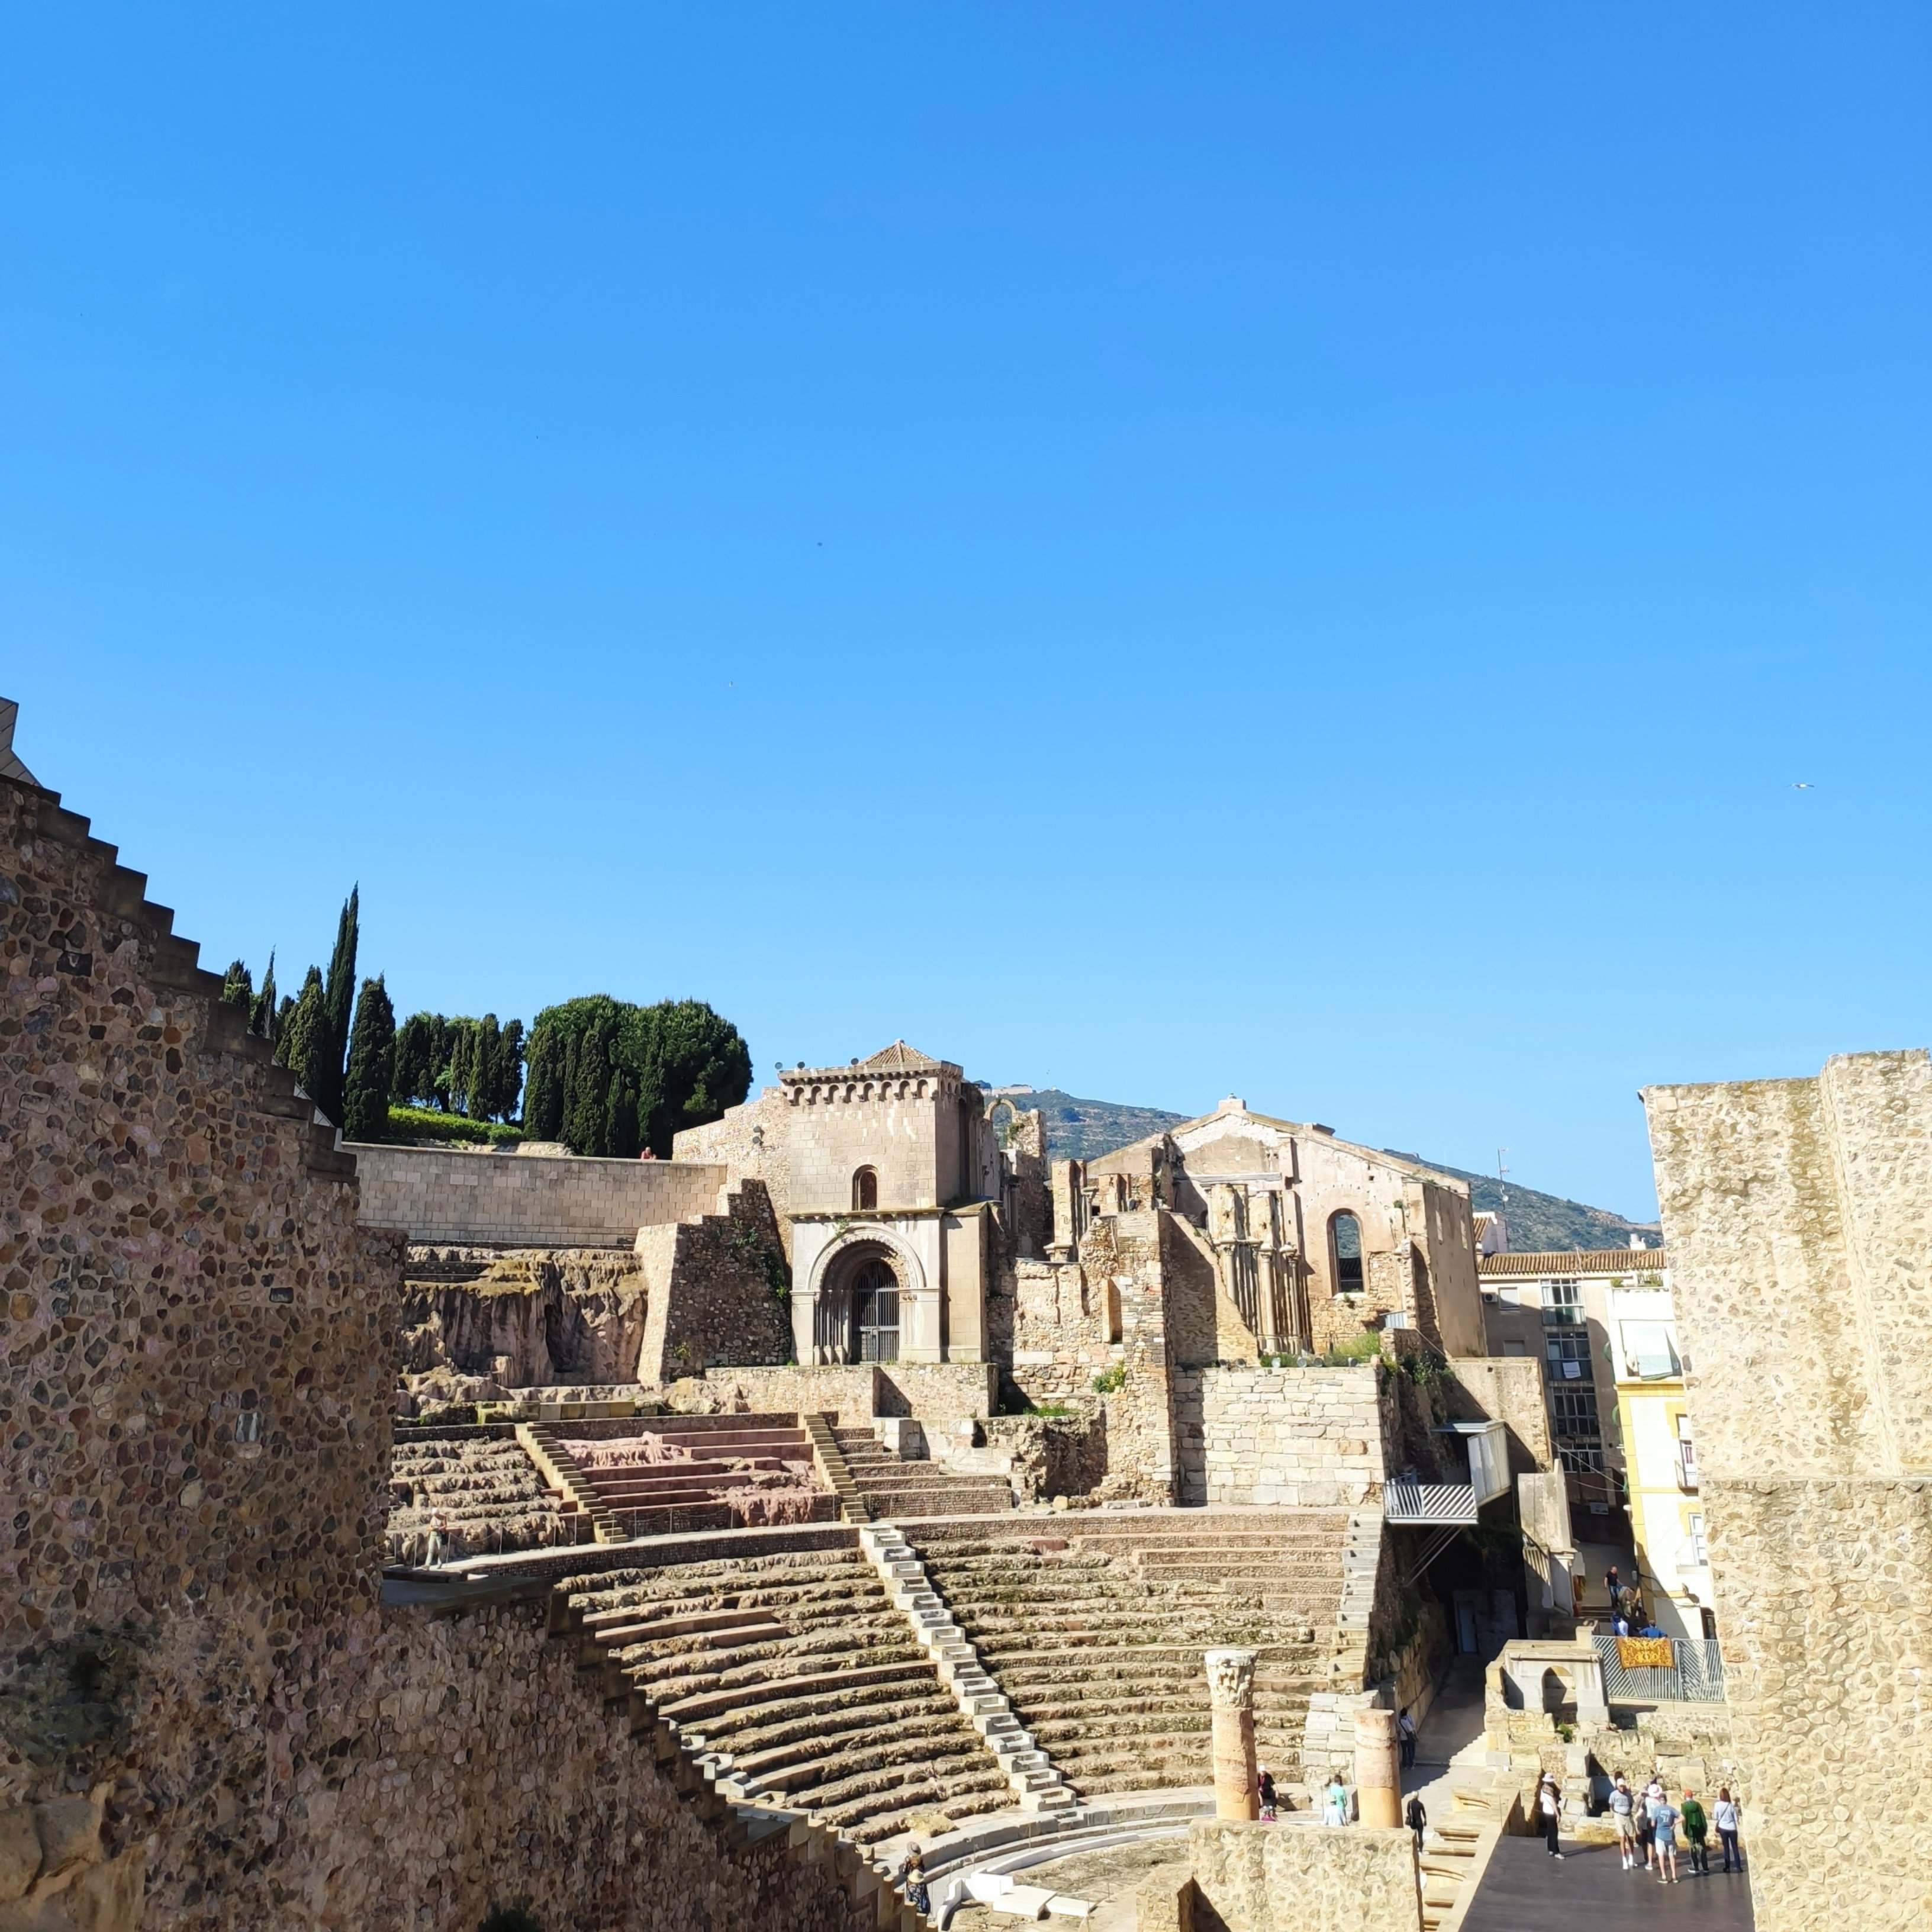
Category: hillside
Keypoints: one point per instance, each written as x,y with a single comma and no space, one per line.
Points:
1078,1129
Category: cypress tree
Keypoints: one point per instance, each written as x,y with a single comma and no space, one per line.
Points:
479,1097
338,1000
237,989
416,1043
506,1078
261,1016
302,1045
370,1074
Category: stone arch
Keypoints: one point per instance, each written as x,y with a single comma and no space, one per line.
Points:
864,1189
1347,1274
1558,1694
839,1286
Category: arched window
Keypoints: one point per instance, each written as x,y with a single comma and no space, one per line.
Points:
865,1189
1345,1243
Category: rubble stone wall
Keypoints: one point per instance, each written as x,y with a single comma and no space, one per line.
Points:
716,1290
504,1200
1305,1436
1263,1878
940,1393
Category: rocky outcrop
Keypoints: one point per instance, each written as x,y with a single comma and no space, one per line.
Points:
523,1317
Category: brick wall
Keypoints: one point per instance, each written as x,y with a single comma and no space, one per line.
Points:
528,1201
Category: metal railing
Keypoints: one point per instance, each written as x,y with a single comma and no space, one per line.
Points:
1696,1677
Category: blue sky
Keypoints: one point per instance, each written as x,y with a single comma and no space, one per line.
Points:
1157,550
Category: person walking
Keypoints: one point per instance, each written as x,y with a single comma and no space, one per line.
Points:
1335,1801
1724,1816
1665,1822
1265,1791
1406,1725
1549,1809
1646,1831
1696,1833
912,1883
1623,1815
1417,1819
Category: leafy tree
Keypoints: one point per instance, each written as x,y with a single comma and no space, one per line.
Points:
261,1016
506,1072
237,989
606,1077
372,1065
338,999
302,1042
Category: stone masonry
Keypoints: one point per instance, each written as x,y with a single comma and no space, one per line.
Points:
1300,1436
1798,1216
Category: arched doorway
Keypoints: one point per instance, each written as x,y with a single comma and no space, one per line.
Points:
875,1313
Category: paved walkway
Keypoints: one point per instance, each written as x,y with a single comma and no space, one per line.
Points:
1525,1890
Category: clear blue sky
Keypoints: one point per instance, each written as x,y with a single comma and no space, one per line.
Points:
1156,550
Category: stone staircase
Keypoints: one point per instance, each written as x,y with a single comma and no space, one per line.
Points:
1453,1855
490,1495
1095,1632
893,1489
791,1679
1037,1784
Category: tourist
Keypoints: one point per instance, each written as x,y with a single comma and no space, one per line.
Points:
1406,1724
1549,1809
1646,1831
912,1883
439,1541
1724,1816
1664,1818
1611,1584
1416,1819
1696,1830
1264,1790
1335,1801
1623,1812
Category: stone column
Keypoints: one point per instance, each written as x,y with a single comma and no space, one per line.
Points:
1230,1691
1378,1775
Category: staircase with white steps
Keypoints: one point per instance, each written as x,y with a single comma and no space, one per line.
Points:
1038,1786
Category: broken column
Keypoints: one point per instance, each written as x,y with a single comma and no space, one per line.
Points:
1378,1775
1231,1692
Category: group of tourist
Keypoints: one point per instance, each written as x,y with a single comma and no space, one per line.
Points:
1648,1827
1628,1617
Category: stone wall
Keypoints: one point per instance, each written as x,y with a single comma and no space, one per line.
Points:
1053,1455
1302,1878
1508,1389
1797,1214
503,1200
940,1393
753,1142
1305,1436
717,1290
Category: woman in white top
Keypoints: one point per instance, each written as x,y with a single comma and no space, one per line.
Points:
1724,1816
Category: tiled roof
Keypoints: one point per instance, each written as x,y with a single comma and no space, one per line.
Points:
898,1058
1582,1261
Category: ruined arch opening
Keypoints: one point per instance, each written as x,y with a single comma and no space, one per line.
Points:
865,1190
1344,1253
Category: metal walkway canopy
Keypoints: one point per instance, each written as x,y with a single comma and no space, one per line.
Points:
1406,1500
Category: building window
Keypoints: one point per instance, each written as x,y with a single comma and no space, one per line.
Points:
1700,1553
1580,1437
1562,1304
1345,1241
875,1313
1687,1456
1568,1354
865,1190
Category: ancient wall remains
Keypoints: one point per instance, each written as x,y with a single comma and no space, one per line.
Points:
716,1290
1508,1389
752,1142
941,1394
502,1200
1309,1437
1797,1214
1264,1878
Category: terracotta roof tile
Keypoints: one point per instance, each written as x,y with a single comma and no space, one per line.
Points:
1581,1261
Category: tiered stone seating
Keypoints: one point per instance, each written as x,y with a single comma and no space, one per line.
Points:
1095,1633
489,1492
893,1489
800,1682
725,1453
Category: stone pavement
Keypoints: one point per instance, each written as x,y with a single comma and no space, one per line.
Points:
1525,1890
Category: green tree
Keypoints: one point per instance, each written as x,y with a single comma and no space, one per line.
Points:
338,1000
506,1075
302,1042
371,1071
418,1054
237,989
262,1015
605,1077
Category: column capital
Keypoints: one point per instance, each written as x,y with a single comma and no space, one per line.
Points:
1231,1679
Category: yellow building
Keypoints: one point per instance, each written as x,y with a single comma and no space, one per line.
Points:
1659,1462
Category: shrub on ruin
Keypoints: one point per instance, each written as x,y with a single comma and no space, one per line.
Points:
1365,1347
1111,1382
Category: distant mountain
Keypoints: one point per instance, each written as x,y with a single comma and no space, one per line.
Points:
1078,1129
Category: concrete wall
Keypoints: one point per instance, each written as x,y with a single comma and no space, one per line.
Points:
478,1200
1307,1436
1797,1216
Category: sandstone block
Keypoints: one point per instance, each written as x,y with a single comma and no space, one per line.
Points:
19,1850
